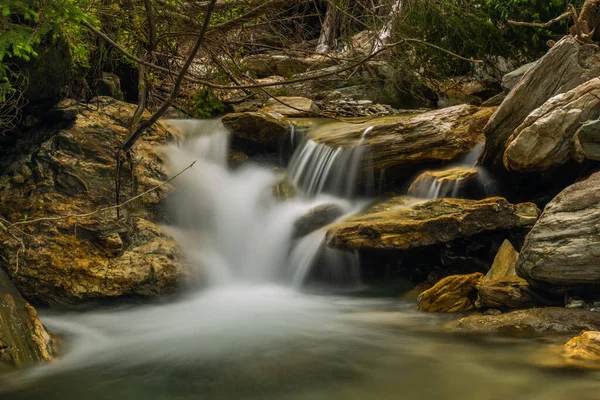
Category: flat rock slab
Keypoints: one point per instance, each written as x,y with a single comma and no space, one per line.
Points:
562,251
401,224
395,144
531,322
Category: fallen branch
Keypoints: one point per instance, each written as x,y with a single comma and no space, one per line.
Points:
566,14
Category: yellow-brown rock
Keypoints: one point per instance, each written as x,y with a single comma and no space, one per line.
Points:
504,263
293,107
584,350
395,143
401,224
442,183
23,339
508,292
72,172
452,294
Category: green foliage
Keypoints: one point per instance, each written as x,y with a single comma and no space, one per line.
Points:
205,104
25,24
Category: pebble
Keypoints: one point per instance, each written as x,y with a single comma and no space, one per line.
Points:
575,304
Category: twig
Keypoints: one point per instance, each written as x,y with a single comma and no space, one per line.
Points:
63,217
542,25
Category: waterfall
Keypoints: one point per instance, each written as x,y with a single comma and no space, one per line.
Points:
458,180
231,227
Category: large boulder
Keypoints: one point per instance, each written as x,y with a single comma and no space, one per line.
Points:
399,224
259,128
402,145
531,322
562,250
567,65
23,338
68,168
545,139
265,65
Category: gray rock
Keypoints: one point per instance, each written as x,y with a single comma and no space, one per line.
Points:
545,139
587,141
562,251
567,65
510,80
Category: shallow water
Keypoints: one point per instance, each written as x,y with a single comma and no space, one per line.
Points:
252,330
270,342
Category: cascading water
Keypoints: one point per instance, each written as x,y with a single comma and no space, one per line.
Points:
455,180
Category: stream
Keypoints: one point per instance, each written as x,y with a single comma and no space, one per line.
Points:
249,326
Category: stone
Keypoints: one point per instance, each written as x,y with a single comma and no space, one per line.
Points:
265,65
400,224
510,292
494,101
259,128
510,80
298,107
584,350
545,139
71,260
504,263
566,65
587,141
452,294
562,250
236,158
575,303
109,85
24,340
532,322
443,183
403,145
316,218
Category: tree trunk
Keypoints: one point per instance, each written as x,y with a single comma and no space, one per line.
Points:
328,29
385,33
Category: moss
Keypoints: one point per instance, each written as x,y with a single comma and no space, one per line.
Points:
205,104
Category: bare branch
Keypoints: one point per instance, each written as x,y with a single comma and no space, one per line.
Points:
542,25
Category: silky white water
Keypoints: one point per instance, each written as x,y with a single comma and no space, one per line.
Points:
248,328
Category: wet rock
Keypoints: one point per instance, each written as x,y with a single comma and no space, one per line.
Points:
237,158
584,350
561,251
575,303
566,65
72,172
402,145
298,107
545,139
531,322
443,183
23,339
456,293
399,224
317,218
265,129
510,80
587,141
